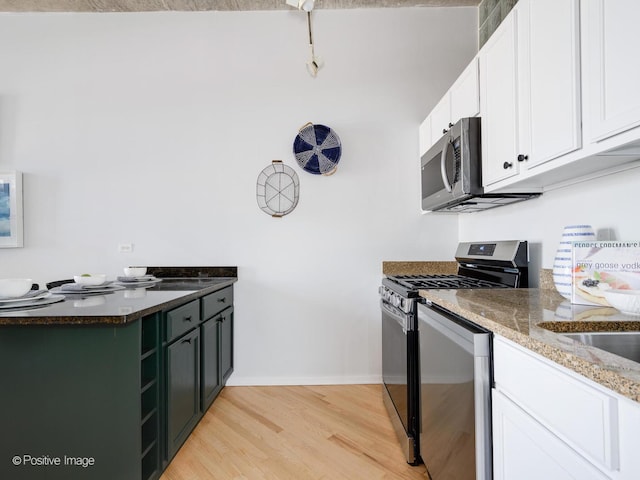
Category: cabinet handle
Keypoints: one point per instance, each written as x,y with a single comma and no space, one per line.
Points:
187,319
522,158
222,300
444,130
186,340
507,165
450,124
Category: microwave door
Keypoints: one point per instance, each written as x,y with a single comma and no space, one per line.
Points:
450,167
434,192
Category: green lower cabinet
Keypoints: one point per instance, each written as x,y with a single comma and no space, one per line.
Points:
103,402
211,384
217,355
150,387
226,344
70,402
183,389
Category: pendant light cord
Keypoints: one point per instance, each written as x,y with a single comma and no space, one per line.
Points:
310,36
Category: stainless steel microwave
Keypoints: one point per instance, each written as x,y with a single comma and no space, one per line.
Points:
451,173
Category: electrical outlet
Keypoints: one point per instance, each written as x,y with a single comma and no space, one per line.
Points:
125,247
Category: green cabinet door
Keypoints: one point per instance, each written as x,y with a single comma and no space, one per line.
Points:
211,385
183,389
226,344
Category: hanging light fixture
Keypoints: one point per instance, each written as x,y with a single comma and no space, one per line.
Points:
306,5
315,63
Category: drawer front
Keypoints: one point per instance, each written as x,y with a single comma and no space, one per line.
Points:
525,450
215,302
182,319
581,415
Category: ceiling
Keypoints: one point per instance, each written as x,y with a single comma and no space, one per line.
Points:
205,5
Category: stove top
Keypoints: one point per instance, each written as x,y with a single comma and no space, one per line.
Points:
498,264
443,281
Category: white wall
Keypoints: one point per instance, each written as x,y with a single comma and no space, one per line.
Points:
609,204
152,128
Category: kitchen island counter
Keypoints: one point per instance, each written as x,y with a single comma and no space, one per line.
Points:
116,382
119,307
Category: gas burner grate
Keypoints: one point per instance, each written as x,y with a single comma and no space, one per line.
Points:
417,282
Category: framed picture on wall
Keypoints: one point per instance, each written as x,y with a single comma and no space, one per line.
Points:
10,209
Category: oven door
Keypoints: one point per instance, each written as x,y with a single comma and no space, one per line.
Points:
400,377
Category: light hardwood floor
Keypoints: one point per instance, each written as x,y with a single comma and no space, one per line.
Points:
302,432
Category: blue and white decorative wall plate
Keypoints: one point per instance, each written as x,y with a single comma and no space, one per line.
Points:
317,149
277,189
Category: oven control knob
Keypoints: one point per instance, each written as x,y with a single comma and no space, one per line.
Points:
402,304
396,300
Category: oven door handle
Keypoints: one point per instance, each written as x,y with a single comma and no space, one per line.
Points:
392,312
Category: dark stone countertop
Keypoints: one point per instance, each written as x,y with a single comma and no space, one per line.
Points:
178,286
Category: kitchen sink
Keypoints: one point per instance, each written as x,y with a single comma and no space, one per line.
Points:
624,344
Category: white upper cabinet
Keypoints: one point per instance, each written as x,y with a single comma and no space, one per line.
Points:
530,89
549,79
424,135
464,94
558,85
461,100
498,103
441,117
612,69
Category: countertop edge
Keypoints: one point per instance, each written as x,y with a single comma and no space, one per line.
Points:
115,320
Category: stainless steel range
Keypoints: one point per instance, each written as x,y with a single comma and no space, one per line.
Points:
416,351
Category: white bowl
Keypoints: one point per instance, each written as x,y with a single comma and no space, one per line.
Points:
14,287
90,278
627,301
134,271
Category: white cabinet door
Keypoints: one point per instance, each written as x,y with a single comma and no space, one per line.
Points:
465,94
498,103
440,118
629,428
525,450
424,135
549,79
612,68
461,100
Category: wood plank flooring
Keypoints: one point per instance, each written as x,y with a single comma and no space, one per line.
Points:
294,432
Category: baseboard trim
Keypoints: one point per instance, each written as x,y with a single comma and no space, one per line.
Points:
238,381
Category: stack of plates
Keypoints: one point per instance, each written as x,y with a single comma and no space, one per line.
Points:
137,282
32,299
79,289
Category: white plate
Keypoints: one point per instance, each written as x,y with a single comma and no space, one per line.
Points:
102,285
142,278
43,294
139,284
30,303
93,290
